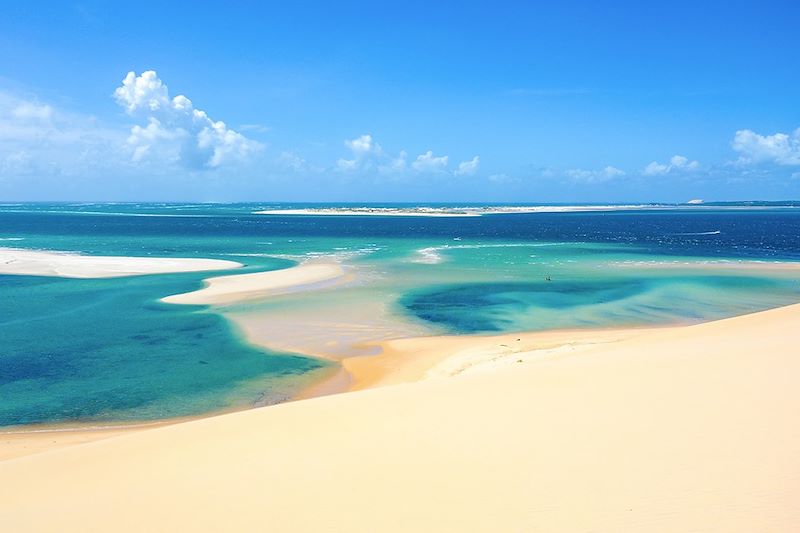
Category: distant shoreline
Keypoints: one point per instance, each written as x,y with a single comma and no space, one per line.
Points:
468,211
475,211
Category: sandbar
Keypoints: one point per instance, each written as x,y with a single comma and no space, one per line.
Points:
451,211
222,290
20,261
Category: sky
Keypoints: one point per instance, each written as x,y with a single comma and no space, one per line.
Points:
400,102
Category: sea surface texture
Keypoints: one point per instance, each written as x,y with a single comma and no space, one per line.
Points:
99,351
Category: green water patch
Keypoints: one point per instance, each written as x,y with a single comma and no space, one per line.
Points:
108,350
600,302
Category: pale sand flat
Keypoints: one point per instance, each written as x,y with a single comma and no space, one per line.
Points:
242,287
19,261
679,429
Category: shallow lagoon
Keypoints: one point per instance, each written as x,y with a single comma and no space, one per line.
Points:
85,351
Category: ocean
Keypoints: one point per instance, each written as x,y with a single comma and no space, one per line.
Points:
100,351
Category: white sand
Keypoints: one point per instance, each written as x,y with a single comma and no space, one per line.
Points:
72,265
383,212
679,429
222,290
449,211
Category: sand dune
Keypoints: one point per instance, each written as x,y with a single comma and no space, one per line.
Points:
677,429
241,287
71,265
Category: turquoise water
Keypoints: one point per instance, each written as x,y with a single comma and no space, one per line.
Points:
108,350
86,351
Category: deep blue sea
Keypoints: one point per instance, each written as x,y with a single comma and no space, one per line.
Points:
76,351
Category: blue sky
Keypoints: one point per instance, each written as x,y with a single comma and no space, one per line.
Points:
471,101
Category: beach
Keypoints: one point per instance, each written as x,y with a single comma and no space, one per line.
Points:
383,268
667,429
404,394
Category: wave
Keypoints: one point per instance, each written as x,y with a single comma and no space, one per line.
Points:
340,255
431,255
244,254
109,213
716,232
713,263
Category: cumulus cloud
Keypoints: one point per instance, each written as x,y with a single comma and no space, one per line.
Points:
594,176
396,164
677,164
174,130
427,162
655,169
368,155
780,148
365,152
364,145
468,168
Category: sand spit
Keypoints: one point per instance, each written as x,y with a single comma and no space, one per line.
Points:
20,261
222,290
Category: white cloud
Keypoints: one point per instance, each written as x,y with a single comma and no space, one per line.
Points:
365,151
364,145
143,139
175,130
655,169
428,162
677,164
780,148
347,165
683,163
38,139
32,111
468,168
368,155
396,165
594,176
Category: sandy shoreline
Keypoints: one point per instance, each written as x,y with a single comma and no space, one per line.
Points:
20,261
673,429
417,359
28,440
